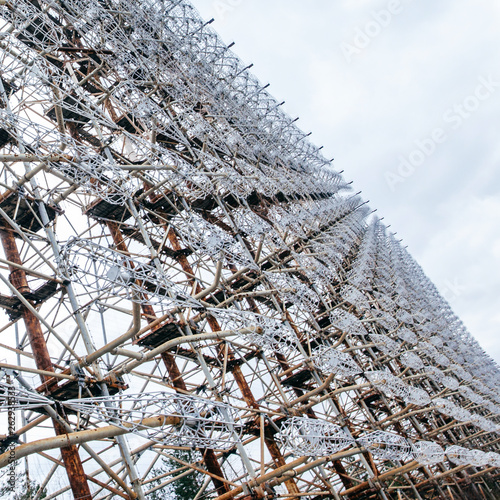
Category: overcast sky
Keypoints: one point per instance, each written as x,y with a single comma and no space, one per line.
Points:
405,95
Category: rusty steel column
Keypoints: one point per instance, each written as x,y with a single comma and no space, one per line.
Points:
70,455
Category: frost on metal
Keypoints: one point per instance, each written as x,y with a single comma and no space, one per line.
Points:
183,269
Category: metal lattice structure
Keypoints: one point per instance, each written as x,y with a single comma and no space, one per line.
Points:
183,270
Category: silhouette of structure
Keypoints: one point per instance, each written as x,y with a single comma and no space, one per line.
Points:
182,269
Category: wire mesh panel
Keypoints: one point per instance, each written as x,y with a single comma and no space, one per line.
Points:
386,445
201,423
312,437
459,455
427,452
103,269
330,360
15,397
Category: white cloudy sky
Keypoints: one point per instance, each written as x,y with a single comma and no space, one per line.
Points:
370,99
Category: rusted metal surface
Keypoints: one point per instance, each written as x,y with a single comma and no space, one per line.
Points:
70,455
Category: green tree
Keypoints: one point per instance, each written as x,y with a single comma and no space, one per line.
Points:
186,486
24,489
